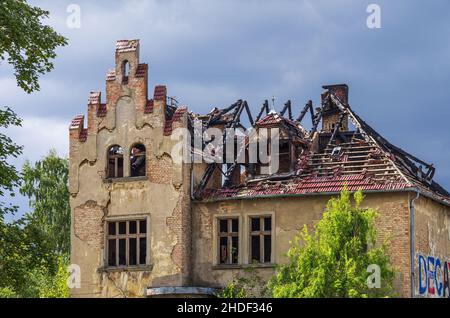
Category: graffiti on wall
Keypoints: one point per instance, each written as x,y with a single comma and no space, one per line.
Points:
433,280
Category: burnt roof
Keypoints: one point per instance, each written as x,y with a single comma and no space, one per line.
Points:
366,160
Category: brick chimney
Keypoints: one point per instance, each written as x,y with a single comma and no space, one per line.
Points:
331,113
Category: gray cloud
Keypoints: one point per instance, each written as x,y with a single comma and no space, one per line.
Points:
210,53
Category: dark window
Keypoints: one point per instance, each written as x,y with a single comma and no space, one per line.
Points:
127,245
132,250
132,225
255,249
228,241
137,160
261,239
125,71
143,226
112,228
255,224
122,227
284,158
142,250
223,226
115,162
111,252
122,252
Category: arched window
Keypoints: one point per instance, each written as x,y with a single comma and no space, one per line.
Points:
137,160
115,162
125,71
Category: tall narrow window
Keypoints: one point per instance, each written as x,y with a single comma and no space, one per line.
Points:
228,241
126,71
137,160
285,160
115,162
261,239
127,243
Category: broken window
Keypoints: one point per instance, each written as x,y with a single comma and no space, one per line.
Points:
284,156
137,160
261,239
228,240
115,162
127,243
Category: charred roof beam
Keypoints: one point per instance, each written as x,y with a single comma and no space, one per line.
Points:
316,121
308,106
336,128
287,107
407,157
265,107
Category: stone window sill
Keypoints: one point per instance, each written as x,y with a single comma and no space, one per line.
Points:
142,268
243,266
125,179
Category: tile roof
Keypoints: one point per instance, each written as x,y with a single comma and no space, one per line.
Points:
94,98
160,92
275,119
77,122
149,107
359,159
168,127
101,110
111,75
127,45
305,185
271,119
141,70
83,135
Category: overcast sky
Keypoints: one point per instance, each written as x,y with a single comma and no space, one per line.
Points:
210,53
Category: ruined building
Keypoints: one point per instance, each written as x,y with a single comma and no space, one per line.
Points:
145,224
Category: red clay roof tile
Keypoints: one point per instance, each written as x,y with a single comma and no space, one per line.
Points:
160,92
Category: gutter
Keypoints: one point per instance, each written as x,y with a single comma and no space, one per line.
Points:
270,196
289,195
411,242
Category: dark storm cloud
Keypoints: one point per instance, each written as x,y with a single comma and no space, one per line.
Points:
211,53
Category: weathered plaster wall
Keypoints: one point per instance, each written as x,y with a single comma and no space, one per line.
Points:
290,216
162,196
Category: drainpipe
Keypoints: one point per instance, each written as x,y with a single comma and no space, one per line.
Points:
411,242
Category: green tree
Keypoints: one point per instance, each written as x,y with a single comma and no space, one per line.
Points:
26,250
34,249
9,176
26,253
333,261
29,46
53,285
26,43
12,264
46,185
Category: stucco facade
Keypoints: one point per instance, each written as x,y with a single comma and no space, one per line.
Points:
161,196
181,242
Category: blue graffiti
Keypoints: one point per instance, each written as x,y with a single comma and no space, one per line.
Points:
433,277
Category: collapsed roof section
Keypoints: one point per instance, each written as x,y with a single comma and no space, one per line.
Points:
318,160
